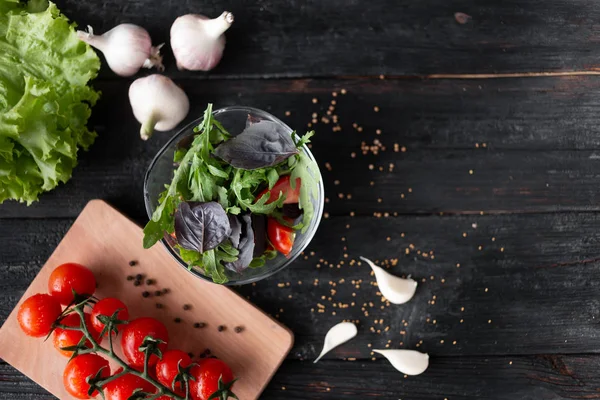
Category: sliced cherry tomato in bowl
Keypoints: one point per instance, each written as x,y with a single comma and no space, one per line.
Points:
70,277
283,185
123,387
79,369
168,368
66,338
133,335
206,374
37,314
281,236
107,307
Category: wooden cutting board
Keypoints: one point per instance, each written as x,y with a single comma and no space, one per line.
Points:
106,241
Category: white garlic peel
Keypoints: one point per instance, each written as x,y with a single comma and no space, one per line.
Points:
157,103
198,42
409,362
397,290
337,335
126,47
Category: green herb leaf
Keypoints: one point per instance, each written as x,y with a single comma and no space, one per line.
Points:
308,172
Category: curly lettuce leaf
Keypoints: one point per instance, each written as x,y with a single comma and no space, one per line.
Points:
45,102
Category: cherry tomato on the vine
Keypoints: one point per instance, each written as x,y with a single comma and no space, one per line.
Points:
281,236
133,335
107,307
67,338
207,373
123,387
167,368
79,369
37,314
68,277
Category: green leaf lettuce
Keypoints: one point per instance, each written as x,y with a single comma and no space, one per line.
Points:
44,98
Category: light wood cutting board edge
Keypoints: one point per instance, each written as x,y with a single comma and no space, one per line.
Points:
102,204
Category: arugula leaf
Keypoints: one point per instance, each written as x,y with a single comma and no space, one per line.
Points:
308,172
244,183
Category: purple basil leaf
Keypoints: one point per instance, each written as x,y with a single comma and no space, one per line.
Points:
262,144
246,246
201,226
236,230
259,225
292,210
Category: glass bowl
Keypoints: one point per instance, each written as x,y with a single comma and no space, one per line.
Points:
161,170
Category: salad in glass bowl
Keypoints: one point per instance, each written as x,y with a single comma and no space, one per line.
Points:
235,197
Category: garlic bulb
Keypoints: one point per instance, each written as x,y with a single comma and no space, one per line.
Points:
409,362
157,103
126,47
397,290
198,42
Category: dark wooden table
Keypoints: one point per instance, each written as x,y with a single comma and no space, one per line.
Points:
484,186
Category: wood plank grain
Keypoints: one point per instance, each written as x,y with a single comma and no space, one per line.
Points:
294,38
549,377
531,289
541,138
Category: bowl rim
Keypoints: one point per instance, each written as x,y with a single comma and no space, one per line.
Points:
318,214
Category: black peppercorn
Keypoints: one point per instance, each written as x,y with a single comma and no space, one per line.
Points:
187,307
146,294
137,283
221,328
139,277
199,325
130,277
207,352
238,329
177,320
165,290
158,293
191,355
150,281
132,263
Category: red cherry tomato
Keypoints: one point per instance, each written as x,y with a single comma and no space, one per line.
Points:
133,335
37,314
123,387
283,185
167,369
206,374
108,307
280,236
66,338
68,277
79,369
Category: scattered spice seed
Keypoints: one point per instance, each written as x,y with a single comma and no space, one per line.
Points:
137,283
462,18
187,307
238,329
221,328
132,263
150,281
199,325
177,320
158,293
139,277
165,291
146,294
191,355
288,113
130,277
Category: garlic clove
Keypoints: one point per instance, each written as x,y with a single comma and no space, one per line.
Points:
336,336
397,290
157,103
126,48
198,42
409,362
